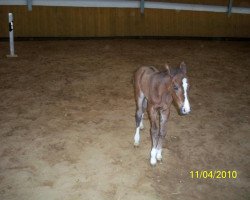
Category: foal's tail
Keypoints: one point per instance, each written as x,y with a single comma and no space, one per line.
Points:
133,77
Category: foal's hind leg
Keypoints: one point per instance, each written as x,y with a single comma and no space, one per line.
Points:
144,106
141,106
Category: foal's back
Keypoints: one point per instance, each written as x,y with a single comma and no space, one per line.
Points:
142,79
152,84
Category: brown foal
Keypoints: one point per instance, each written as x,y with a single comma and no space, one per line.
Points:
155,91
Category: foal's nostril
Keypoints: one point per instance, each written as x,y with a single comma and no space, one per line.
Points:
183,111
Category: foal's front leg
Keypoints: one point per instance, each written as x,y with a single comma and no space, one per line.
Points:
163,131
154,134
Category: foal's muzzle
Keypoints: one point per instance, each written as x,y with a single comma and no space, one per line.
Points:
185,111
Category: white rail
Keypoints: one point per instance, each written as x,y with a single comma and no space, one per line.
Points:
128,4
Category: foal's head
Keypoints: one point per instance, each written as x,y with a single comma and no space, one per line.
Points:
180,88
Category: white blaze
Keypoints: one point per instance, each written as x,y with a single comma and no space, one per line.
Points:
186,104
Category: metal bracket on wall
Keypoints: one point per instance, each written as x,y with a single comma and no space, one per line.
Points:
29,4
142,6
230,5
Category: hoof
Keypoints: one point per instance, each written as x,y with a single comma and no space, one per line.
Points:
141,127
158,155
159,161
159,158
136,144
153,162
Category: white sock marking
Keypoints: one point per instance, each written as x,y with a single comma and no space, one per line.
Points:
141,123
153,156
186,104
158,155
137,136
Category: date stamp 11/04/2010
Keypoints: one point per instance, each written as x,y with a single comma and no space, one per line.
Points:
214,174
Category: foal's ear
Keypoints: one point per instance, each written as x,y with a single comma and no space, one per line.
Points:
167,68
183,67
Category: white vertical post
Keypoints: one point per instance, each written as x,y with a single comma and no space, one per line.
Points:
11,35
142,6
29,3
230,5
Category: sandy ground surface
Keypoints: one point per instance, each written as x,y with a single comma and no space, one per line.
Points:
67,121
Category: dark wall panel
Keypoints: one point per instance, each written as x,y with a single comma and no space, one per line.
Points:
102,22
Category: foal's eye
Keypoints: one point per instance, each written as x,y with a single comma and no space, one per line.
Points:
175,87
